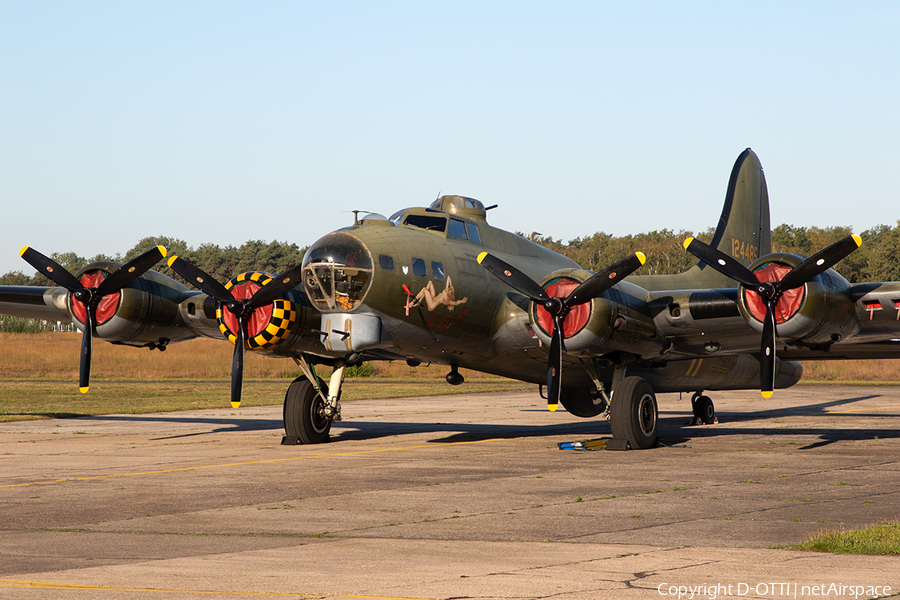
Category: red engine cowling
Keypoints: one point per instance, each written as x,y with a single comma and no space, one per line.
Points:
618,320
272,327
819,312
146,313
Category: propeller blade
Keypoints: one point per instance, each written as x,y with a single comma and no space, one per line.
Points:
237,363
819,262
767,352
131,271
50,268
513,277
721,262
205,283
87,338
554,366
605,279
277,287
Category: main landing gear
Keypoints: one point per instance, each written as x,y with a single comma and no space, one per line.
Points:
311,405
633,415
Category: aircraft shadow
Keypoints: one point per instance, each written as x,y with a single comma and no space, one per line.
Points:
674,426
827,436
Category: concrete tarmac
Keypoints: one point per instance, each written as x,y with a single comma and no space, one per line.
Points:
452,497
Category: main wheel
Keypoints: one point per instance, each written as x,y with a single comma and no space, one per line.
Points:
303,417
704,409
634,415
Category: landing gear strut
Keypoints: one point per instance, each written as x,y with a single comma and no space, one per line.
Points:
311,405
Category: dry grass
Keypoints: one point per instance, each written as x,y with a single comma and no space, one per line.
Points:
54,356
39,374
879,371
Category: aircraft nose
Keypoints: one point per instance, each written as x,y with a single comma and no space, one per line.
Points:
337,272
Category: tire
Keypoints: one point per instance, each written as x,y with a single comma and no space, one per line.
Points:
582,402
301,414
634,415
705,410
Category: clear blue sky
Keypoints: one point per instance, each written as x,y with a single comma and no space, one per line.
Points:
226,121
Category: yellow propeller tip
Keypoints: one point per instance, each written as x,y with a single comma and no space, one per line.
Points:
84,390
687,242
481,257
23,250
857,239
172,259
766,394
163,251
641,257
552,407
235,405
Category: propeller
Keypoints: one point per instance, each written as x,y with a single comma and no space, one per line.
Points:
90,297
770,292
241,308
559,308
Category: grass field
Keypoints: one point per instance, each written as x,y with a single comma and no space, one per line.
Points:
880,538
39,374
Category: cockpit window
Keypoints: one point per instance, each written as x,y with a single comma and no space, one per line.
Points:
473,233
458,229
426,222
337,272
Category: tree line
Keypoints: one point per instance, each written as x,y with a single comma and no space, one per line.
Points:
222,263
877,260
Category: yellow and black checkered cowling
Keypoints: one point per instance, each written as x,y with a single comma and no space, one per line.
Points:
269,325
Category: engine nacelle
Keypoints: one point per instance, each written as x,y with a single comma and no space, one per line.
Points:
283,328
617,320
819,312
144,314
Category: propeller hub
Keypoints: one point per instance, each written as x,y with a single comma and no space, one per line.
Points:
785,303
554,306
574,318
237,307
86,298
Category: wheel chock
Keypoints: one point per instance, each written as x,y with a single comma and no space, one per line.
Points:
290,440
615,444
598,444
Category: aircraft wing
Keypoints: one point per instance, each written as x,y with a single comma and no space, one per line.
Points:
861,351
33,302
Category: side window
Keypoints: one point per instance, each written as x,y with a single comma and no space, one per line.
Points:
458,229
426,222
419,267
386,262
437,269
473,233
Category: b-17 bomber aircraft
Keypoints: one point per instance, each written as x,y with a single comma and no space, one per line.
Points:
440,285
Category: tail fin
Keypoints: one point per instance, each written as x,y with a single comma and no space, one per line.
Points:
744,230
